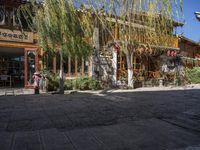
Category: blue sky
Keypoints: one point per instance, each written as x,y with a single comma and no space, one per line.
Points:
191,29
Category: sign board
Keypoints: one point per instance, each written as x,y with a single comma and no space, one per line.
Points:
16,36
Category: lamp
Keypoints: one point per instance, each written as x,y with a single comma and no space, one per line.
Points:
197,15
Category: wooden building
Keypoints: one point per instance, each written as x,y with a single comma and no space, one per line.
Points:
19,54
147,61
189,52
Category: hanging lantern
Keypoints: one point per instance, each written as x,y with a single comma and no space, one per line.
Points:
168,53
172,53
175,53
116,47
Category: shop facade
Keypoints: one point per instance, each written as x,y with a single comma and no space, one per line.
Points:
19,53
190,52
19,58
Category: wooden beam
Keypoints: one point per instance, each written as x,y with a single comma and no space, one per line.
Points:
17,44
76,66
69,66
120,60
134,61
54,64
83,67
135,25
90,67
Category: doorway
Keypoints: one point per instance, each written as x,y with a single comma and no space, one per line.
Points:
11,67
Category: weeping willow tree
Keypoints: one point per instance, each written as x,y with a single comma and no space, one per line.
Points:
141,25
59,29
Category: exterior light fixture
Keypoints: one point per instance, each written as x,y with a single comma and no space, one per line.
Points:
197,15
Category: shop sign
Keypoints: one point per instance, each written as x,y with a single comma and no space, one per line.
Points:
16,36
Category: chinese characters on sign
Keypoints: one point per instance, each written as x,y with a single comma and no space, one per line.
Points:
16,36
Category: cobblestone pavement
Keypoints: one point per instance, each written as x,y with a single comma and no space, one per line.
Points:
165,120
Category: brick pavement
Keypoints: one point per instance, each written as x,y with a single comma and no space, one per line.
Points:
117,121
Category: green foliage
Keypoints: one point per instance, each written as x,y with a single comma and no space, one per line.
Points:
81,83
86,83
53,83
58,29
68,84
68,25
193,75
94,84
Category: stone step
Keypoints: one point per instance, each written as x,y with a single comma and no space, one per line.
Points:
9,92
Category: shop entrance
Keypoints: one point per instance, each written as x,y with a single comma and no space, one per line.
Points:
17,66
11,67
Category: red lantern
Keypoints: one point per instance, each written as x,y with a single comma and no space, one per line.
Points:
175,54
116,46
172,53
168,53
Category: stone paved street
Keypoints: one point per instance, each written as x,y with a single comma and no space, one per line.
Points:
157,120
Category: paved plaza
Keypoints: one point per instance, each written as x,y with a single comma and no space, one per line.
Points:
151,120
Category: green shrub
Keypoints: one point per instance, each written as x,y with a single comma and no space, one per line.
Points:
68,84
53,84
81,83
76,83
85,83
193,75
94,84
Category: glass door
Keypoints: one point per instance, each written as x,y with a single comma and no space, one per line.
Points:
30,66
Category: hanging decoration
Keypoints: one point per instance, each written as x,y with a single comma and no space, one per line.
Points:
116,46
172,53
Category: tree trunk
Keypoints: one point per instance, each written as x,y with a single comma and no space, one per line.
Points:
96,45
61,85
129,57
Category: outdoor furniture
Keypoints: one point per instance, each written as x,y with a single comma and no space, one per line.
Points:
6,79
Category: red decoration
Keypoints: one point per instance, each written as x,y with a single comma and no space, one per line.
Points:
175,53
116,46
168,53
172,53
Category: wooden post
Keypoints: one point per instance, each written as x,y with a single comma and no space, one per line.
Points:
76,68
41,60
69,66
91,67
120,59
82,67
134,62
54,64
